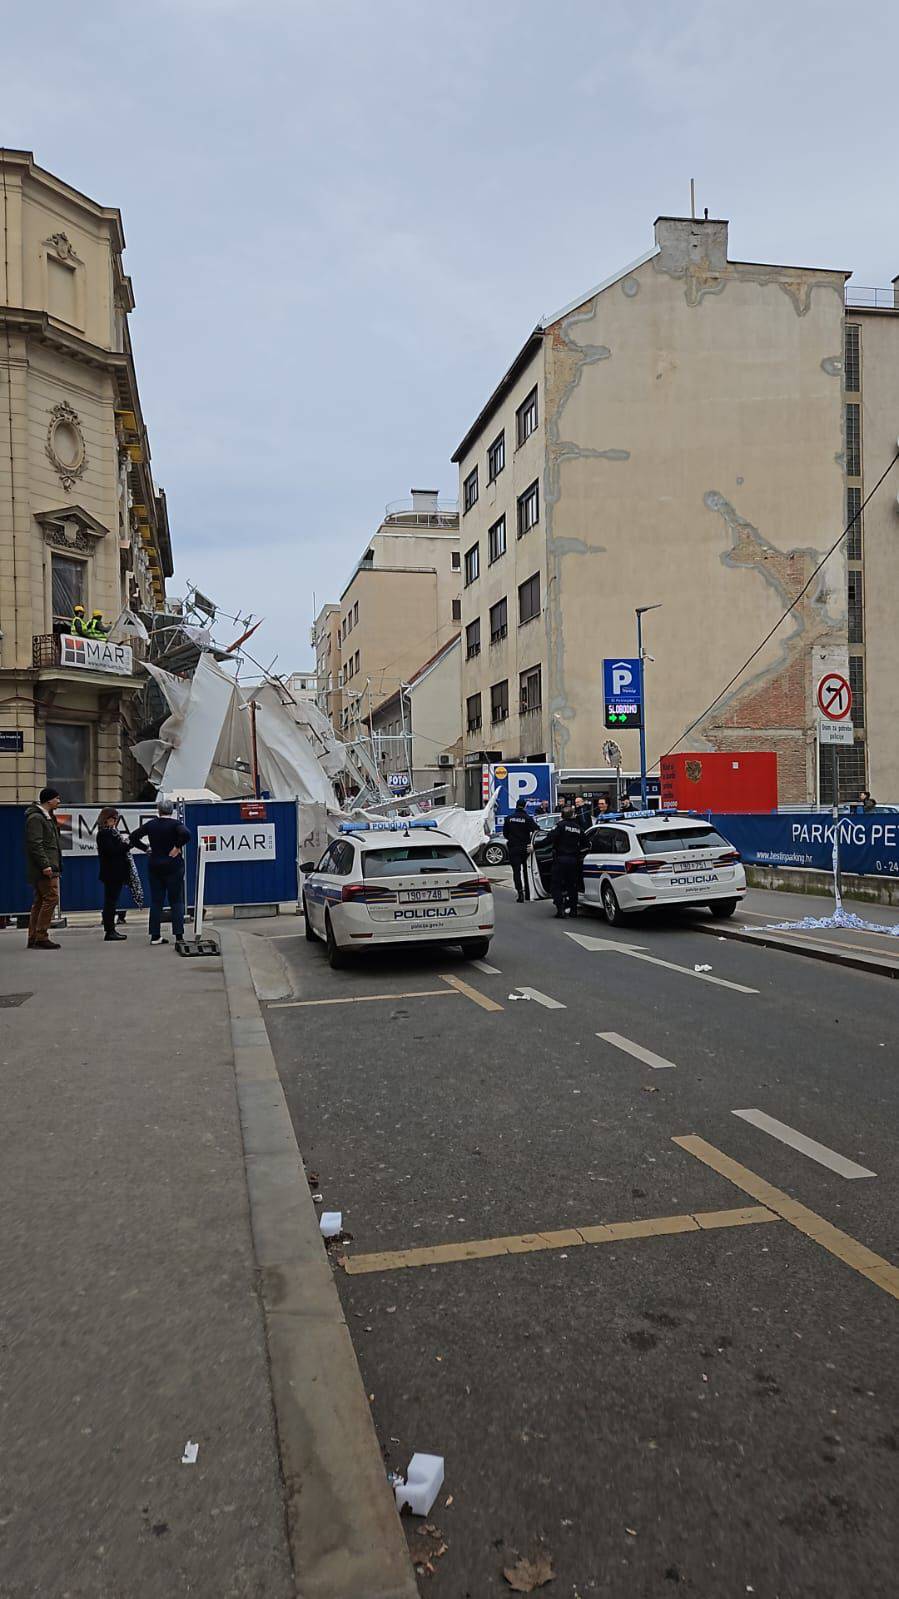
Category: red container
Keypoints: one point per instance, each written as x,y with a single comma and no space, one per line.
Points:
717,781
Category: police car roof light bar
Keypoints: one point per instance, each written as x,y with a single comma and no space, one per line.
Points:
402,826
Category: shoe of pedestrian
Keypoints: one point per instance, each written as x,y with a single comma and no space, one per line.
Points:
120,918
158,940
115,938
45,943
558,915
520,899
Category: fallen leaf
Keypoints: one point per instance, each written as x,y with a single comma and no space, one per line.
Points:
526,1575
631,1532
448,1501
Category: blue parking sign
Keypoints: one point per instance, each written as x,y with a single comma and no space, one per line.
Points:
621,692
515,780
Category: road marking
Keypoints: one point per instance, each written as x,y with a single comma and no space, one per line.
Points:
657,1062
564,1238
542,999
806,1146
600,945
473,994
821,1232
360,999
483,966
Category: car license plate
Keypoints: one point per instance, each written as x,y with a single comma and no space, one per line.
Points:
413,896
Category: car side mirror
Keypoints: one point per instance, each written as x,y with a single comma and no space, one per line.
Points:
306,867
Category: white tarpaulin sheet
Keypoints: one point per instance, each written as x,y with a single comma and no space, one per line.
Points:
195,744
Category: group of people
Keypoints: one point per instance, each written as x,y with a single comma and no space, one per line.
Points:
84,626
162,838
568,839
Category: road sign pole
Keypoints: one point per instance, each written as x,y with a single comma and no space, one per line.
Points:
835,813
643,805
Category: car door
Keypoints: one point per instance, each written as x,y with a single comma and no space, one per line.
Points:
600,846
318,885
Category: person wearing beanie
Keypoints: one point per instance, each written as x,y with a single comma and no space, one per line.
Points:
43,863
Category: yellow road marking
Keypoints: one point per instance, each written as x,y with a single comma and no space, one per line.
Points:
362,999
821,1232
566,1238
472,993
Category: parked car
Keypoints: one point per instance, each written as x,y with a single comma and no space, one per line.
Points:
635,861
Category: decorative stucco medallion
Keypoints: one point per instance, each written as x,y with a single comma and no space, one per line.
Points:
65,445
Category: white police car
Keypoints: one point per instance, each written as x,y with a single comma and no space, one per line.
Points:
396,883
639,859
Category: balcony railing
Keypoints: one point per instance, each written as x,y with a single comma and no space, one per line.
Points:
872,299
45,650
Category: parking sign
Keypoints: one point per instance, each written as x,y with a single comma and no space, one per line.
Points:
621,692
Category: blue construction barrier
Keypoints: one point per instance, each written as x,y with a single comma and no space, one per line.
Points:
869,844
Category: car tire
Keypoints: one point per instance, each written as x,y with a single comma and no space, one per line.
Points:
495,855
474,949
610,905
723,907
336,956
311,936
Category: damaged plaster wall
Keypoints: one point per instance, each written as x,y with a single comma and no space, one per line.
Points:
694,463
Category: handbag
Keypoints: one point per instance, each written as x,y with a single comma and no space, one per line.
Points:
134,883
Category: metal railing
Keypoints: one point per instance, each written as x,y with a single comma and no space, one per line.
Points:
872,299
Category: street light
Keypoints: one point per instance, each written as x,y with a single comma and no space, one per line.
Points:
640,612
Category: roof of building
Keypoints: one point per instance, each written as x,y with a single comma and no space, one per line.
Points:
420,673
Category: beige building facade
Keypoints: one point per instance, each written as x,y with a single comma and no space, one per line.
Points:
326,648
675,437
418,728
81,520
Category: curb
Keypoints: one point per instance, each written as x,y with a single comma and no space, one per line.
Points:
860,961
345,1537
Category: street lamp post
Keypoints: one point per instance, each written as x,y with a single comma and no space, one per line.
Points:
640,613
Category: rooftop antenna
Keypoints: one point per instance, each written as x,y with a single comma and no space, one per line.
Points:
693,198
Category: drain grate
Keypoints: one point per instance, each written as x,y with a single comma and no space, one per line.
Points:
8,1001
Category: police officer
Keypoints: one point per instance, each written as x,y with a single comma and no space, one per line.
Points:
568,846
518,830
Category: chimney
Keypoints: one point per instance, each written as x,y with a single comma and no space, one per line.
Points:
425,500
687,241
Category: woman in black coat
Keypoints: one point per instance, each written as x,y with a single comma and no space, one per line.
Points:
114,857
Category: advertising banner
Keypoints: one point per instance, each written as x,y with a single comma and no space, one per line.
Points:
96,655
231,844
78,825
531,782
868,844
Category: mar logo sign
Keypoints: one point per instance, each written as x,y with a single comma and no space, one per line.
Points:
231,844
96,655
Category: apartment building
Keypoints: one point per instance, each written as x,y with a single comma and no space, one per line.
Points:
675,437
326,645
81,521
418,729
400,605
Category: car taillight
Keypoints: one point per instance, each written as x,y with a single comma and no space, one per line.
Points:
352,891
636,865
729,856
475,885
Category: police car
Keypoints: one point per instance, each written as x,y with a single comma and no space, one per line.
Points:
396,883
637,860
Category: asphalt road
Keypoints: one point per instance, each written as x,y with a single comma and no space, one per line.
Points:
711,1410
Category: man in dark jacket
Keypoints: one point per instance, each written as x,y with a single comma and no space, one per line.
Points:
518,830
568,841
166,837
113,852
43,863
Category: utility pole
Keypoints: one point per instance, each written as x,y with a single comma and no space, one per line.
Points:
640,613
253,747
407,735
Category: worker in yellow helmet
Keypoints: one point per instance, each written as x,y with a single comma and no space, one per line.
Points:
95,628
78,625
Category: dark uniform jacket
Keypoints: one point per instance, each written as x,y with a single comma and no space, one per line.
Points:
112,850
518,830
42,847
568,840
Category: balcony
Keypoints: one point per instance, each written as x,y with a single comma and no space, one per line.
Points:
867,299
403,513
46,654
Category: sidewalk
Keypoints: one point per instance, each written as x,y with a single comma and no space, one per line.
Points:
762,909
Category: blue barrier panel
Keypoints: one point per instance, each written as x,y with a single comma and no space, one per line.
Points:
80,887
248,862
869,845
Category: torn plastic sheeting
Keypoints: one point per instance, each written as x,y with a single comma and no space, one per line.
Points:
700,968
519,996
840,918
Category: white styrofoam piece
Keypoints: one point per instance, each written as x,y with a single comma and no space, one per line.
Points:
424,1479
331,1223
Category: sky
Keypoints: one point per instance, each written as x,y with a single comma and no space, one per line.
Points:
344,218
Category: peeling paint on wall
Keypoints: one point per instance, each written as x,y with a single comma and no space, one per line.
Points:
833,366
630,288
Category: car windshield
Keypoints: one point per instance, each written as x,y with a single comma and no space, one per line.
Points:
688,838
407,860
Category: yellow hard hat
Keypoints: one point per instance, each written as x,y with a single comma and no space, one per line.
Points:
79,607
96,613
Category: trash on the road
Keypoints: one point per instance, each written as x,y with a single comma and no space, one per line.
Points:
702,968
526,1575
631,1532
422,1484
519,996
189,1458
331,1223
649,1088
426,1544
317,1199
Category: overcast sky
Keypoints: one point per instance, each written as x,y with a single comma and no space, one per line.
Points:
343,219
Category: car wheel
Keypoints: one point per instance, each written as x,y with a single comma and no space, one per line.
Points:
610,905
494,855
474,949
311,937
336,956
723,907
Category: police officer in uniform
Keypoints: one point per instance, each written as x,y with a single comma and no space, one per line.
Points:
518,830
568,846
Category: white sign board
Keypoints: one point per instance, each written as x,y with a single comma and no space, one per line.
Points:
78,825
835,732
95,655
231,843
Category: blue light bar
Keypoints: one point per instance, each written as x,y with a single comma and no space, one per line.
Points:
388,827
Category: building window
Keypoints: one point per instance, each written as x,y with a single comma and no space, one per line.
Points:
850,772
499,701
528,509
852,358
457,610
526,417
529,599
853,442
473,712
496,457
456,561
355,663
496,540
856,615
530,690
68,586
499,621
472,564
470,490
69,760
857,685
473,639
356,613
854,523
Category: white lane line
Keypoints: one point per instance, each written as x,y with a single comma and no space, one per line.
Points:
603,945
542,999
483,966
805,1146
657,1062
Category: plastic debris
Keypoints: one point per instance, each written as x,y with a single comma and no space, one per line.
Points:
189,1458
317,1199
840,918
423,1482
702,968
519,996
331,1223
